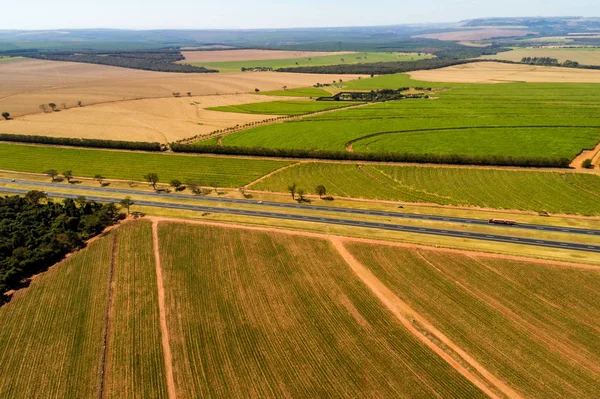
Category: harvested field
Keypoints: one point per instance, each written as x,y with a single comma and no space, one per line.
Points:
27,83
162,119
492,72
569,193
251,55
534,326
475,34
52,332
585,56
259,314
226,172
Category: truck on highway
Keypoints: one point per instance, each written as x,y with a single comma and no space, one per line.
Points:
502,221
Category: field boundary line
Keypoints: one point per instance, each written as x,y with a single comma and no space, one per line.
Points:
164,329
109,304
474,372
271,174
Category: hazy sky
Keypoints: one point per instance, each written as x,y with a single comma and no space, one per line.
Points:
211,14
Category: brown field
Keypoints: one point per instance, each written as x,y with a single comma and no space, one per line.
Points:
159,119
492,72
586,57
474,34
252,55
27,83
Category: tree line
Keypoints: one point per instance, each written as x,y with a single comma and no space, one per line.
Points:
77,142
159,60
379,68
36,232
452,159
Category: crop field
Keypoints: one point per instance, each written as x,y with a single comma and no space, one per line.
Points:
583,55
52,332
228,55
302,92
566,193
258,314
284,107
135,366
521,119
27,83
310,60
535,326
226,172
492,72
155,120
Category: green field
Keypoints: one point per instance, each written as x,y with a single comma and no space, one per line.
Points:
3,58
302,92
284,107
135,367
358,58
525,120
255,314
535,326
126,165
52,332
569,193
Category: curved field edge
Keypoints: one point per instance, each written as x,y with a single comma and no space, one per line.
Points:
554,192
548,345
285,316
226,172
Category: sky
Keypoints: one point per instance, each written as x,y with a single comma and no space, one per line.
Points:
248,14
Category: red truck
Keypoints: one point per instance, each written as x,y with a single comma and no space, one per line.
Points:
502,221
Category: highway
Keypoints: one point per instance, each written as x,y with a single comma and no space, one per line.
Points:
44,186
343,222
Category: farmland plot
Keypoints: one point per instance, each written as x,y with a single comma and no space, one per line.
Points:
536,326
283,107
554,192
52,332
257,314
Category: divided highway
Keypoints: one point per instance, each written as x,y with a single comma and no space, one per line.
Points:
344,222
556,229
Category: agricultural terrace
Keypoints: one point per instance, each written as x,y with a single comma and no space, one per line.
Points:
272,315
312,60
548,345
284,107
226,172
583,55
563,193
52,332
520,119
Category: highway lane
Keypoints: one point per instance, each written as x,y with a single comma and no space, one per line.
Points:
537,227
343,222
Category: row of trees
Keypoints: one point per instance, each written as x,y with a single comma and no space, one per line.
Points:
77,142
36,232
453,159
378,68
159,60
299,194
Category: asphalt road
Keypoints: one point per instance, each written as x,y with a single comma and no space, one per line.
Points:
537,227
343,222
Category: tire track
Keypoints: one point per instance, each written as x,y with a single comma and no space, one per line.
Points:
168,357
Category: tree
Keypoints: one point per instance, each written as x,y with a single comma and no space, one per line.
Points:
284,87
195,187
6,115
256,90
52,174
587,164
189,93
321,190
53,106
99,178
292,189
35,196
176,94
215,185
175,184
81,201
126,203
68,175
301,197
79,104
152,178
44,107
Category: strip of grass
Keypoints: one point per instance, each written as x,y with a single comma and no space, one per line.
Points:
135,364
52,332
553,192
257,314
284,107
225,172
336,59
535,326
